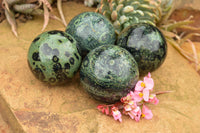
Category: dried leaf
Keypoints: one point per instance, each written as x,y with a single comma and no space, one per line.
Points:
24,8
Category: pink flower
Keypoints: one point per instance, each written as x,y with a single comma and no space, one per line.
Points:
135,114
116,114
148,83
130,106
146,94
127,98
138,96
133,103
142,89
146,113
149,75
139,86
153,99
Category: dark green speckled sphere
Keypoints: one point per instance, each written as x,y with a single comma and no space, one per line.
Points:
91,30
53,57
147,45
108,73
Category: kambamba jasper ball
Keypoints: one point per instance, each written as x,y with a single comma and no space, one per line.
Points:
108,73
91,30
53,57
147,45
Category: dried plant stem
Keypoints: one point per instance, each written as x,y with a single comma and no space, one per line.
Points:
48,5
5,5
180,50
175,25
55,17
59,6
165,18
163,92
11,20
46,17
188,36
195,53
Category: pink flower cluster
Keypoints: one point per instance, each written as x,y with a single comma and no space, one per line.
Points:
133,104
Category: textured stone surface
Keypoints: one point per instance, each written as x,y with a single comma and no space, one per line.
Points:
53,57
34,107
4,127
147,45
109,72
91,30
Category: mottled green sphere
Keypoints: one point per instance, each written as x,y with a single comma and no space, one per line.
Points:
147,45
91,30
53,57
108,73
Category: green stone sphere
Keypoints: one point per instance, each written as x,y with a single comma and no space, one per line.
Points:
147,45
91,30
108,73
53,57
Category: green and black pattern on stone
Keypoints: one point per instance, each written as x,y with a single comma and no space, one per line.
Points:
108,73
147,45
91,30
53,57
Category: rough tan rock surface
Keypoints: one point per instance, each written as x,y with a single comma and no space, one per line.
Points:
33,107
4,127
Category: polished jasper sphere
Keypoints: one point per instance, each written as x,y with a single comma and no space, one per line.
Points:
53,57
147,45
91,30
108,73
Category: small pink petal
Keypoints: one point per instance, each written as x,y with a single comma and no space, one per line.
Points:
146,94
107,110
131,93
116,114
131,115
149,83
120,119
153,99
138,86
156,101
132,103
138,96
127,108
138,114
147,112
127,98
149,75
100,107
